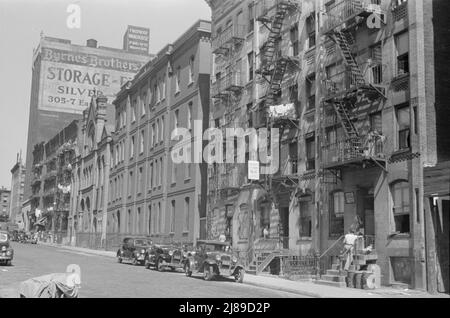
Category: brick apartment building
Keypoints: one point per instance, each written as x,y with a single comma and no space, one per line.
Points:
149,195
350,87
51,184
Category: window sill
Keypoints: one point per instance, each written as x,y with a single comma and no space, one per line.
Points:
400,77
401,152
304,239
177,93
191,83
187,180
173,184
399,236
185,233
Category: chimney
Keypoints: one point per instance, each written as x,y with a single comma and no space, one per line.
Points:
91,43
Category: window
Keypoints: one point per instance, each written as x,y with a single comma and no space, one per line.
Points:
402,53
157,131
163,88
133,112
132,147
401,211
376,69
250,66
141,142
172,218
310,84
311,29
161,126
376,123
403,126
337,204
177,79
153,135
176,119
294,37
305,216
174,172
161,172
140,185
130,184
150,221
160,219
189,116
142,101
150,177
191,69
139,221
154,174
186,215
310,153
129,222
251,20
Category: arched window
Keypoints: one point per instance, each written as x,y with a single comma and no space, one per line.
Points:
401,207
337,206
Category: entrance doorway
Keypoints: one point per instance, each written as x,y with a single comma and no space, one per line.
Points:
369,216
284,227
366,211
441,229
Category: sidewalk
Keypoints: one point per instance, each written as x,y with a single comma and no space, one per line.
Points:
297,287
80,249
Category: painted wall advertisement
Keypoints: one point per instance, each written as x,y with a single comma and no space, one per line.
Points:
70,79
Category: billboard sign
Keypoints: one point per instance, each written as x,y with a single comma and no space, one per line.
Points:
137,40
69,79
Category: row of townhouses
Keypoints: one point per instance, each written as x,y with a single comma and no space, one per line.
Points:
348,97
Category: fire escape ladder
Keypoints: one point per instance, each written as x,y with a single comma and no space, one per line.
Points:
342,40
349,128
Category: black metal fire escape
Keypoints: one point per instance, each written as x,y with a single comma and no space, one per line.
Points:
273,69
344,101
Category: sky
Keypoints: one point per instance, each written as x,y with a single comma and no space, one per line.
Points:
21,23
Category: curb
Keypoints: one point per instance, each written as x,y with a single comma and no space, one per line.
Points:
284,289
87,251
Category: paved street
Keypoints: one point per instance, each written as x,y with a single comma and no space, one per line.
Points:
103,277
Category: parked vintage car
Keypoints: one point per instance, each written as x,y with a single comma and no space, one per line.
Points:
6,252
162,257
214,258
133,250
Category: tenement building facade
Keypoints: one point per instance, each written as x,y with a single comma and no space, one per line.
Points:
151,192
347,85
51,184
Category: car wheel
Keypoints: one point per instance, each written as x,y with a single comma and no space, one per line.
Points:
187,270
239,277
208,273
159,265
